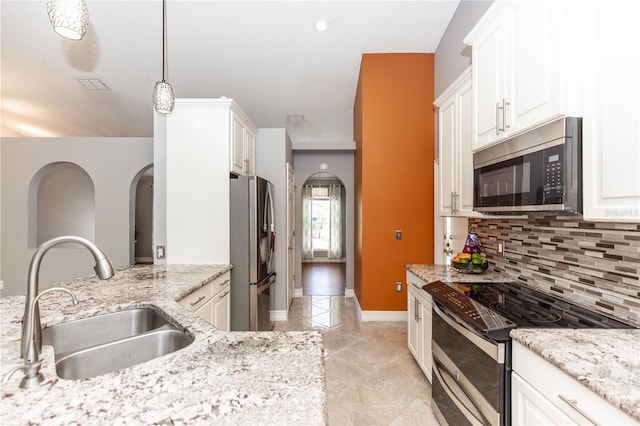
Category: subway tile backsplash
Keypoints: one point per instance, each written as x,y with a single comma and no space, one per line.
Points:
595,264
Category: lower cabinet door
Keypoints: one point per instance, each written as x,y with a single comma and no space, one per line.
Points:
530,407
221,311
205,312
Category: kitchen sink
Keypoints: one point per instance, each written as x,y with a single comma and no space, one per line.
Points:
97,345
120,354
84,333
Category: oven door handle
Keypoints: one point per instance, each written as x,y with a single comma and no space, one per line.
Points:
455,392
495,350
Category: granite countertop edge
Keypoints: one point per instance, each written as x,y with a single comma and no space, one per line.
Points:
605,361
222,377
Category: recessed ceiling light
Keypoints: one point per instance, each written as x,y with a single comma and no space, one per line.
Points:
321,26
295,119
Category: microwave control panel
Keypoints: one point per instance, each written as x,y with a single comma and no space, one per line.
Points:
554,175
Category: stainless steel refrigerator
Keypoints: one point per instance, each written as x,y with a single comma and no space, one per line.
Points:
252,253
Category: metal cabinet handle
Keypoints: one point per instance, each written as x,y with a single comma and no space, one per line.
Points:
453,208
200,299
222,296
222,284
505,126
574,404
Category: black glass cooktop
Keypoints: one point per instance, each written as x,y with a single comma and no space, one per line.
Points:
501,306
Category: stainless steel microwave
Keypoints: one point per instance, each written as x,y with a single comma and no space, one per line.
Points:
538,172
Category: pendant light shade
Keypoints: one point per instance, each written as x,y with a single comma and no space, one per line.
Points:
69,18
163,98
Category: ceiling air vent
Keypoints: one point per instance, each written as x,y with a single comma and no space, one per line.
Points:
92,84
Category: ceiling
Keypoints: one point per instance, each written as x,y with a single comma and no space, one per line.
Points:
264,54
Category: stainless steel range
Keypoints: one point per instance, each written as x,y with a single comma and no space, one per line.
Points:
471,347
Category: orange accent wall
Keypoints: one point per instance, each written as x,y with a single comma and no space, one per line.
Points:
394,134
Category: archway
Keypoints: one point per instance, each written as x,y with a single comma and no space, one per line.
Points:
61,202
323,235
141,217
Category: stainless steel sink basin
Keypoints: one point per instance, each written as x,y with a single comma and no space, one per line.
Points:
80,334
120,354
104,343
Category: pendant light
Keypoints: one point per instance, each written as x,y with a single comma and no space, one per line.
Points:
163,92
69,18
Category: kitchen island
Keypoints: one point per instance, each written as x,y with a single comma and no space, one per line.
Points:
221,378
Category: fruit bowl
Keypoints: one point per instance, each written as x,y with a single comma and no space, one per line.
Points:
471,268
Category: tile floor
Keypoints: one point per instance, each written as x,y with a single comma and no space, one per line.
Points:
372,378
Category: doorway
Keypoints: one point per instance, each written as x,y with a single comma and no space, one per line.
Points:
143,228
323,236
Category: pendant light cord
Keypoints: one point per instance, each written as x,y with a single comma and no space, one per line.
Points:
164,20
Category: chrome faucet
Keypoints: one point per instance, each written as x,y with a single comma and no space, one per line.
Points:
31,343
31,366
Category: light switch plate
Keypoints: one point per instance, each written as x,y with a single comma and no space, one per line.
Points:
160,252
398,234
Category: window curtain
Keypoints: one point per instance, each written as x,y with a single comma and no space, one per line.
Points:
335,238
307,237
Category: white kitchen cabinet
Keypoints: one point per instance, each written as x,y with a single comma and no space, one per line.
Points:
611,135
221,303
243,142
419,323
455,136
212,302
543,394
525,67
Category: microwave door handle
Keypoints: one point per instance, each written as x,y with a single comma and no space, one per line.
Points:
455,392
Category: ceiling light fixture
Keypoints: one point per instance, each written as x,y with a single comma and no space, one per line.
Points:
321,26
69,18
163,98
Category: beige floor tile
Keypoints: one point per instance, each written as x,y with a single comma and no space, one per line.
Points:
372,378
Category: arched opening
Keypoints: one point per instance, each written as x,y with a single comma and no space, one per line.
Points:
61,202
141,217
323,235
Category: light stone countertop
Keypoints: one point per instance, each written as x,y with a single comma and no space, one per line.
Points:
222,378
605,361
431,273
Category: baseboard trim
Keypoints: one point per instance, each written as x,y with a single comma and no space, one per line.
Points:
379,315
278,315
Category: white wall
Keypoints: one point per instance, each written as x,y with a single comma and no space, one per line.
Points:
273,150
341,164
112,163
452,55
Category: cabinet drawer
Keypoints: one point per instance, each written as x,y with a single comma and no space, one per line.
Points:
570,396
198,298
220,284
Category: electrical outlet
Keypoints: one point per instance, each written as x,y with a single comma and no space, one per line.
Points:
501,248
398,234
160,252
398,287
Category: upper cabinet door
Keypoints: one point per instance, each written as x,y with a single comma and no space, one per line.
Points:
237,145
525,67
447,140
611,129
490,80
534,92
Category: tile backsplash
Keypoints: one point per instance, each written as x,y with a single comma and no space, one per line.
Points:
596,264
